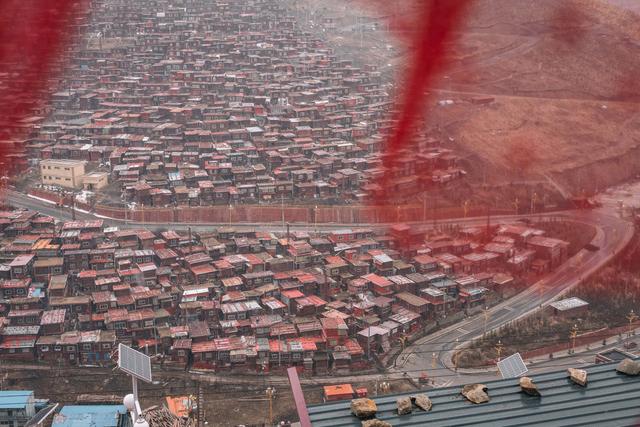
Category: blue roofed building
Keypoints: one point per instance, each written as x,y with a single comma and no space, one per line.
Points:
92,416
610,399
17,407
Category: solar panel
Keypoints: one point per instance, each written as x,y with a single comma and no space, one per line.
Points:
512,366
134,363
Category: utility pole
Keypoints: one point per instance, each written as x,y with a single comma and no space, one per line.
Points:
73,205
488,230
200,403
573,335
424,209
465,206
271,391
516,204
435,213
534,200
433,360
315,219
403,341
540,292
499,348
288,234
631,317
282,210
486,318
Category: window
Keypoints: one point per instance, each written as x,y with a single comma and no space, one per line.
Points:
57,348
70,348
106,346
44,348
86,347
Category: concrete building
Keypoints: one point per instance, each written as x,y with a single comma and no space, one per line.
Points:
64,173
95,180
16,407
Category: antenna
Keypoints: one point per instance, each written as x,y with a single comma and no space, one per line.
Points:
138,365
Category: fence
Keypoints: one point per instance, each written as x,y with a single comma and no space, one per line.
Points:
584,339
260,214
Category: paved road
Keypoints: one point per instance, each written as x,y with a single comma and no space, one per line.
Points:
20,200
613,233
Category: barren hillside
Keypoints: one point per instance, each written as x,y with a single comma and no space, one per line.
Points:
563,75
564,78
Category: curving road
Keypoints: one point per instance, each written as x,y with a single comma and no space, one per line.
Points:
613,234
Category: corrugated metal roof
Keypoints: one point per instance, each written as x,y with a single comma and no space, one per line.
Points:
610,399
90,415
15,399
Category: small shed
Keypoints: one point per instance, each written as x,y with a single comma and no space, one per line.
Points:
338,392
569,308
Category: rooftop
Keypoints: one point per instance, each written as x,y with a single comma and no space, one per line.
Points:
90,415
609,399
14,399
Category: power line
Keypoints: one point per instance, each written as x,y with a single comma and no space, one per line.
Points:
558,362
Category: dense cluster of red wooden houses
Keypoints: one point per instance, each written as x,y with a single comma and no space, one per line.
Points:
217,102
227,298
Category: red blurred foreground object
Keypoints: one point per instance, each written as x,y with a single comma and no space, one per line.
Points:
33,37
428,38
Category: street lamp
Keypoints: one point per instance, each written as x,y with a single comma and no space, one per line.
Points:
486,318
573,334
499,348
631,317
271,392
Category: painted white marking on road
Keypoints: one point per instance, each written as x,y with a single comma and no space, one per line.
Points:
462,331
506,307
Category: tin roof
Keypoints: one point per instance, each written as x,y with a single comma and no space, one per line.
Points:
568,304
15,399
609,399
90,415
